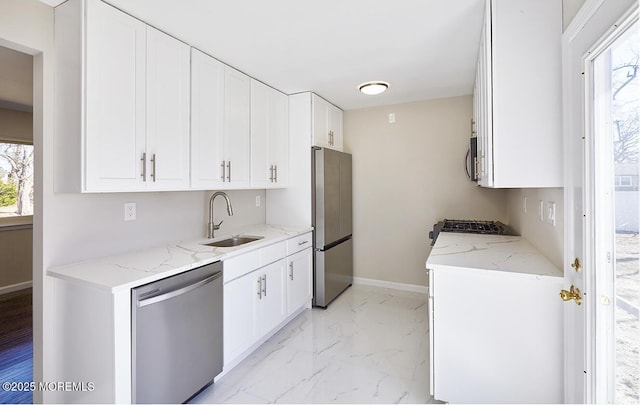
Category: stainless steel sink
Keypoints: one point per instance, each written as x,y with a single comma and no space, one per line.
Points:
235,241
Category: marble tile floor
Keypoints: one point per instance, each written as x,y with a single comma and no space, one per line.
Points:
369,346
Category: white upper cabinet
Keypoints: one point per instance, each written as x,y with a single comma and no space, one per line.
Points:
220,125
269,137
168,82
114,100
127,128
327,124
237,129
207,121
517,96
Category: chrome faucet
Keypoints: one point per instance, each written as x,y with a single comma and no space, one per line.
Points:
212,225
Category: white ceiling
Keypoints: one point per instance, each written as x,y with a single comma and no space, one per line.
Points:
423,48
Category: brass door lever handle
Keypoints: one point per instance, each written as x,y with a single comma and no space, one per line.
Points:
572,294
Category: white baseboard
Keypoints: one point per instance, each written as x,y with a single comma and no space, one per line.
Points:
390,284
15,287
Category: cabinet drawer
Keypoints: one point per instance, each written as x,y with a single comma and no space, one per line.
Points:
241,265
299,242
271,253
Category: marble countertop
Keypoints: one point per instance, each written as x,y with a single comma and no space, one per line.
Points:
512,254
126,271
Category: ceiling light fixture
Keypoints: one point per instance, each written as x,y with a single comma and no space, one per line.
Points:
373,88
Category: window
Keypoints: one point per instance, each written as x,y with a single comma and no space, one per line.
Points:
16,180
623,181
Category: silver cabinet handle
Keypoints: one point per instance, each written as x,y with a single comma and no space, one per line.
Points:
153,167
275,169
223,167
179,291
271,173
260,287
291,270
302,242
144,167
264,285
229,171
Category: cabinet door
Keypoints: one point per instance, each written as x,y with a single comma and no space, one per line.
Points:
207,121
335,127
168,82
319,109
279,138
115,100
271,307
240,298
261,173
237,127
298,280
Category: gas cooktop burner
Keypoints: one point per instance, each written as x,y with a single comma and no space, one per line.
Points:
489,227
469,226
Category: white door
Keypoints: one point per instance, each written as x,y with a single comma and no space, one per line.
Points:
168,82
279,138
115,100
594,23
207,121
261,168
298,280
320,122
335,127
272,305
240,304
237,127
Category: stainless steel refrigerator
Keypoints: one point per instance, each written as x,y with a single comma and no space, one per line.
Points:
332,222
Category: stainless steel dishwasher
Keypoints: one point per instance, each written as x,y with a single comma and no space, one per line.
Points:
176,328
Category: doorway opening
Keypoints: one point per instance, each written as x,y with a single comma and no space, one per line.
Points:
16,222
615,114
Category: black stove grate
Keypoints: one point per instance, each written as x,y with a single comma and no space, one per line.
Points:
465,226
469,226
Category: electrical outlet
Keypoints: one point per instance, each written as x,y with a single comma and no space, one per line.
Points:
551,213
524,204
130,211
541,210
257,201
392,118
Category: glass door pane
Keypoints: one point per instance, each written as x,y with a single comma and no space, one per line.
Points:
625,111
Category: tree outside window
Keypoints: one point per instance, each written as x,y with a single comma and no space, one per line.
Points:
16,179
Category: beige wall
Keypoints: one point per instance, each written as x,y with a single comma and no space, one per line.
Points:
16,253
544,236
16,125
408,176
16,246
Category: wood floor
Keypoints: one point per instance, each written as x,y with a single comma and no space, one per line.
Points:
16,344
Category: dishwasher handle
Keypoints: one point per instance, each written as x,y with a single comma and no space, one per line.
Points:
179,291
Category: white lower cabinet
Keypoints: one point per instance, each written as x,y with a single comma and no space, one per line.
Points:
298,280
239,318
270,300
262,289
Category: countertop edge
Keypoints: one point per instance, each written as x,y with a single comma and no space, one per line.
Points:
73,271
499,255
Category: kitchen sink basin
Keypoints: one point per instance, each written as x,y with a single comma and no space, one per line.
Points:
235,241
